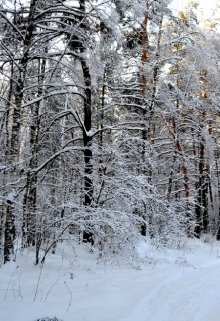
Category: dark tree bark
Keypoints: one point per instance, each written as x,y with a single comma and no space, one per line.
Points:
87,121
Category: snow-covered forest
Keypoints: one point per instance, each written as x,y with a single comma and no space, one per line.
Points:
109,141
109,118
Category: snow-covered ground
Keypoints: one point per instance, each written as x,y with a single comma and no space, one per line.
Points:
72,285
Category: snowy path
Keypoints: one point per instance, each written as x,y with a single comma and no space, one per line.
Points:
192,296
178,287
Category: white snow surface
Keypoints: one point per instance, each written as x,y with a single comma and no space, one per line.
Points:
73,285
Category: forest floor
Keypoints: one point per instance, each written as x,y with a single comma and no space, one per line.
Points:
171,285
